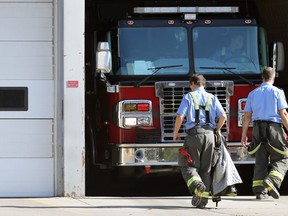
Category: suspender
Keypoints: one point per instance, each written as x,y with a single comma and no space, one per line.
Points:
198,107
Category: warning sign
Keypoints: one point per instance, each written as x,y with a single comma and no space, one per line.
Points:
72,84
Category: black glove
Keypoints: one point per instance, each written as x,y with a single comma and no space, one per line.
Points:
218,139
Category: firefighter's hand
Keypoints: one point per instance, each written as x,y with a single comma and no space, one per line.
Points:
244,140
176,137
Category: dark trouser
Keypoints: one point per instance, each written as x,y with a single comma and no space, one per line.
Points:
199,143
272,149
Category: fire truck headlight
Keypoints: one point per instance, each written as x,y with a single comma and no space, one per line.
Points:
134,113
143,121
130,122
137,121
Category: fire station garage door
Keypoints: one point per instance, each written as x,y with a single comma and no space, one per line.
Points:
26,98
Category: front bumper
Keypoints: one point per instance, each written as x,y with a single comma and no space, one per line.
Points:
146,154
165,154
239,154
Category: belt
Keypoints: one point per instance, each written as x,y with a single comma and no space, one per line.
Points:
200,129
265,123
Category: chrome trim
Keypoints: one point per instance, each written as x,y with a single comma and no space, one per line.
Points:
121,114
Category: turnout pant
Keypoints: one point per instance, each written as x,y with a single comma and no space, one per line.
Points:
270,147
199,143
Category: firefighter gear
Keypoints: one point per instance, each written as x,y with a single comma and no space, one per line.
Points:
199,143
269,138
269,144
201,155
225,174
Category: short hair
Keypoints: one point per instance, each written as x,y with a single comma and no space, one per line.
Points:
197,79
268,73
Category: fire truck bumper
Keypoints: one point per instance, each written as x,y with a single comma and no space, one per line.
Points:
239,154
166,154
146,154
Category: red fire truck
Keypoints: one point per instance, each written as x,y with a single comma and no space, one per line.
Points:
142,68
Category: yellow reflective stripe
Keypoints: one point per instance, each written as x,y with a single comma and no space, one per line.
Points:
208,102
205,195
254,150
198,193
192,179
276,174
257,183
231,194
195,100
284,153
271,186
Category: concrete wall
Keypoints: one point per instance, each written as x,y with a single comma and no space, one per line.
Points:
73,103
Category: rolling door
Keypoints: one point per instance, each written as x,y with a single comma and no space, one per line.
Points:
26,99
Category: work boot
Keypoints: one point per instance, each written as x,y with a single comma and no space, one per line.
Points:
271,188
201,205
197,197
261,196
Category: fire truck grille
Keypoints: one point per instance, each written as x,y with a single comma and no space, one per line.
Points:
170,95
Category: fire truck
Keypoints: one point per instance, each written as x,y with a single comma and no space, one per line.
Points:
143,60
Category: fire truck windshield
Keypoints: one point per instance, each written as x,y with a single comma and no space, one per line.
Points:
210,49
217,48
143,48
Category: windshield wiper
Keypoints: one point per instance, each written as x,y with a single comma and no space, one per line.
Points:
156,69
229,69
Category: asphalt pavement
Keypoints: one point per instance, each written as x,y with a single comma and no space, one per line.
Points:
102,206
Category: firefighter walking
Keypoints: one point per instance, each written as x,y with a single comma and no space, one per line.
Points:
266,106
201,110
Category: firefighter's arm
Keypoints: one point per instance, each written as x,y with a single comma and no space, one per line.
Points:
245,124
178,123
284,117
221,122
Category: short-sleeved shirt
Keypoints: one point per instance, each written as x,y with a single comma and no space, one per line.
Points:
265,102
187,109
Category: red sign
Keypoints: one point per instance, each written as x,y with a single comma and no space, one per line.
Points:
72,84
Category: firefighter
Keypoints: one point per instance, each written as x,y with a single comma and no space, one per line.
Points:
234,52
266,106
200,110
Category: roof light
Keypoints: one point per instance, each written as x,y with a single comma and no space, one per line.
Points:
189,16
158,10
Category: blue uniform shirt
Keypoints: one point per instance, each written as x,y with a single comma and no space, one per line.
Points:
187,109
265,102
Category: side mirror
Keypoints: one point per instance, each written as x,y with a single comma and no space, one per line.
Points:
278,56
103,58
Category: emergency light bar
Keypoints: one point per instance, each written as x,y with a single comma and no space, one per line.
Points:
158,10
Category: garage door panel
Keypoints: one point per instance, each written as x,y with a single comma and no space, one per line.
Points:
26,21
27,98
26,177
26,138
26,60
40,99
